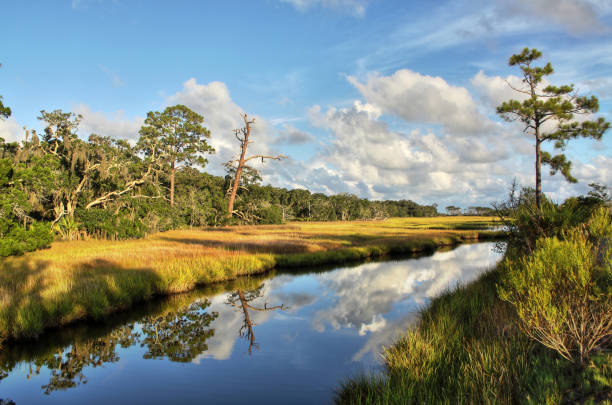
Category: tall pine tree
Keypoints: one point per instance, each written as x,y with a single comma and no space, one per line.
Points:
177,136
555,106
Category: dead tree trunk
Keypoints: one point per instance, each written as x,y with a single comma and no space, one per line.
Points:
242,134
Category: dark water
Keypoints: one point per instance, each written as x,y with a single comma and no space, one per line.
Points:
285,338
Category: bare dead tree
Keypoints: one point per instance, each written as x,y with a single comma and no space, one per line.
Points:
244,298
242,135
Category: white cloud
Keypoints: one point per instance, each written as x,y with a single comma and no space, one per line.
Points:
354,7
420,98
10,130
116,125
369,159
362,155
221,116
290,135
494,90
599,170
577,16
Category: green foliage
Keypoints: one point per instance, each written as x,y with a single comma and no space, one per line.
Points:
106,188
175,136
271,215
19,240
19,232
562,291
552,104
525,223
178,133
466,347
5,111
67,228
104,224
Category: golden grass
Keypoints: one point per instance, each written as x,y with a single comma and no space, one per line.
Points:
77,279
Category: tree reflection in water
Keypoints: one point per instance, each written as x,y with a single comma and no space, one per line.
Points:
180,335
244,298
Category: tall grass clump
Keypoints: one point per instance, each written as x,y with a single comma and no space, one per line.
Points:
562,291
465,348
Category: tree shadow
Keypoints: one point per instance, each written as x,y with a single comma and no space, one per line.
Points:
275,246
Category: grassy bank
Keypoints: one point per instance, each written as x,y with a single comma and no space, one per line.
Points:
75,280
467,348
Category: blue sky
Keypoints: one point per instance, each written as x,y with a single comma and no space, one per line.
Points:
383,99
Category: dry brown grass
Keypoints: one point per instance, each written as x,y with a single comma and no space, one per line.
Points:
91,278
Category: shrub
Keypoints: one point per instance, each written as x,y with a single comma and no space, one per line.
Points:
102,223
563,291
19,240
67,229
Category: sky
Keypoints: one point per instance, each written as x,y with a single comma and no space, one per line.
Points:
378,98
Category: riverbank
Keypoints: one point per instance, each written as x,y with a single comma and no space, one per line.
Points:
467,347
92,278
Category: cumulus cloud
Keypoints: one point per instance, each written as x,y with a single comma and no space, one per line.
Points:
290,135
421,98
361,154
10,130
494,90
115,125
598,170
372,160
221,116
354,7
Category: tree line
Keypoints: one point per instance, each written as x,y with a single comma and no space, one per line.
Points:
57,182
54,182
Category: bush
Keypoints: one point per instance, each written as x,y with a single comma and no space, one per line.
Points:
19,240
526,224
103,223
271,215
563,291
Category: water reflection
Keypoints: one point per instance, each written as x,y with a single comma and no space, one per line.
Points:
245,298
315,328
178,335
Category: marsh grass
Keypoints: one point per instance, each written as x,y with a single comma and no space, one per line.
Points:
89,279
467,348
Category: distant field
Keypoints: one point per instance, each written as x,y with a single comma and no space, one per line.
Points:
73,280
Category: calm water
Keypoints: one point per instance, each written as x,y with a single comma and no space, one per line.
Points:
287,338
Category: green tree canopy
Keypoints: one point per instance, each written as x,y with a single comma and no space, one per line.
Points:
5,112
556,106
176,136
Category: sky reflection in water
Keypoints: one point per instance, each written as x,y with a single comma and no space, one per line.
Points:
236,343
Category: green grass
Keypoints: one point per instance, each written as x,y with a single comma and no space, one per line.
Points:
92,278
467,348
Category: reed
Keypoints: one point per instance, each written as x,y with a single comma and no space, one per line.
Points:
91,278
